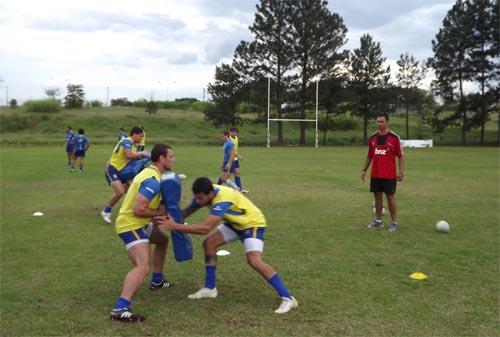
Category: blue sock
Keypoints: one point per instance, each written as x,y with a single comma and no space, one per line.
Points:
107,209
219,181
122,303
209,277
278,285
157,278
237,179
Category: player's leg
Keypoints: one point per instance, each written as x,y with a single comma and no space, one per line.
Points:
393,210
119,190
160,239
224,234
138,252
379,204
377,188
254,247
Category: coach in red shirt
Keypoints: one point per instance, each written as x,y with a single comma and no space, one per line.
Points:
383,148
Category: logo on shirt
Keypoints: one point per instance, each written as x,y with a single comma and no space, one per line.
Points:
217,208
382,152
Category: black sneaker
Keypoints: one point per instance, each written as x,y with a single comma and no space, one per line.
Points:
163,284
125,315
376,224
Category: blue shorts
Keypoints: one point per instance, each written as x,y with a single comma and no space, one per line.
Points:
254,232
69,148
224,169
235,165
132,238
111,174
80,153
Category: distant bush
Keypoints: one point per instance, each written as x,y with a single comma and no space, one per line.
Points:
123,101
13,103
75,96
243,107
345,123
200,106
94,104
151,107
140,103
43,105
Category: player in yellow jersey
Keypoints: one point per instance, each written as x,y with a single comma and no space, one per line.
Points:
142,144
141,203
124,151
235,166
241,220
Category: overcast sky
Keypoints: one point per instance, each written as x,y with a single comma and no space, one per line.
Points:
168,48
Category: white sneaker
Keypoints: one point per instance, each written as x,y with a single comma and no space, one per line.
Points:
106,216
204,293
245,191
287,305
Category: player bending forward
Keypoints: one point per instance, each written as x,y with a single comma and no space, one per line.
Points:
241,220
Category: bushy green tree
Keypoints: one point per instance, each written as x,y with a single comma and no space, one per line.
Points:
75,96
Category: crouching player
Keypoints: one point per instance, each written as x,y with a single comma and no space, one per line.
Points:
141,203
241,220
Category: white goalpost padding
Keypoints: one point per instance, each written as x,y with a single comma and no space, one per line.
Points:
269,120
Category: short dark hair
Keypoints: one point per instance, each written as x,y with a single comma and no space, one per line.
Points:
135,130
159,150
81,131
383,114
202,185
69,127
225,133
233,129
121,129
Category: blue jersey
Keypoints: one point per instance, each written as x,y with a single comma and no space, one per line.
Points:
81,142
122,135
70,138
226,150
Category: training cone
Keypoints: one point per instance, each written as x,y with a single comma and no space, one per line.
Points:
418,276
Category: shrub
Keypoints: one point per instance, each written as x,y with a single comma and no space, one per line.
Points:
345,122
75,97
140,103
200,106
123,101
13,103
43,105
96,103
151,107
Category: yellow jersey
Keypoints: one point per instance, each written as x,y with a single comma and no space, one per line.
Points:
118,158
236,209
143,140
146,183
235,142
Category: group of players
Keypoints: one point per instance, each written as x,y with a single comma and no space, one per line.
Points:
151,208
76,146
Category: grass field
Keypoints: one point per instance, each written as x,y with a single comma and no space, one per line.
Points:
61,273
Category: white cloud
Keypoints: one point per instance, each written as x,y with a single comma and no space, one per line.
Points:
169,46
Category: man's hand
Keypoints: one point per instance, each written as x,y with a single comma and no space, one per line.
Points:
362,175
228,166
240,157
164,222
399,177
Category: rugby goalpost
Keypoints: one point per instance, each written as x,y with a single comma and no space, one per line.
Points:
269,120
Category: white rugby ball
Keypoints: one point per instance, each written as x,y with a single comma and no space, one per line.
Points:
383,210
442,226
182,176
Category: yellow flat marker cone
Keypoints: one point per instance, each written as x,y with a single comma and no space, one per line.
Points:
418,276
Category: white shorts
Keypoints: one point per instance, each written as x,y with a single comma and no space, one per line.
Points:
251,244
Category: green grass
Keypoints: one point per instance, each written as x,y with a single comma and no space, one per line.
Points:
61,273
189,127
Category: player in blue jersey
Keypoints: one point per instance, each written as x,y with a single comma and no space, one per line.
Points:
124,151
235,167
81,146
121,134
228,156
70,148
133,226
241,220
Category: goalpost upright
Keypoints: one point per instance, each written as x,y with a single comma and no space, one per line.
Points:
269,120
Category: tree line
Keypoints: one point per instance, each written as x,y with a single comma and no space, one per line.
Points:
297,42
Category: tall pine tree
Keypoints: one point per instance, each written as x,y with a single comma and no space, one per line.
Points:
318,35
368,76
451,61
269,54
409,76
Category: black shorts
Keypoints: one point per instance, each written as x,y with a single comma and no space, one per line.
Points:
388,186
